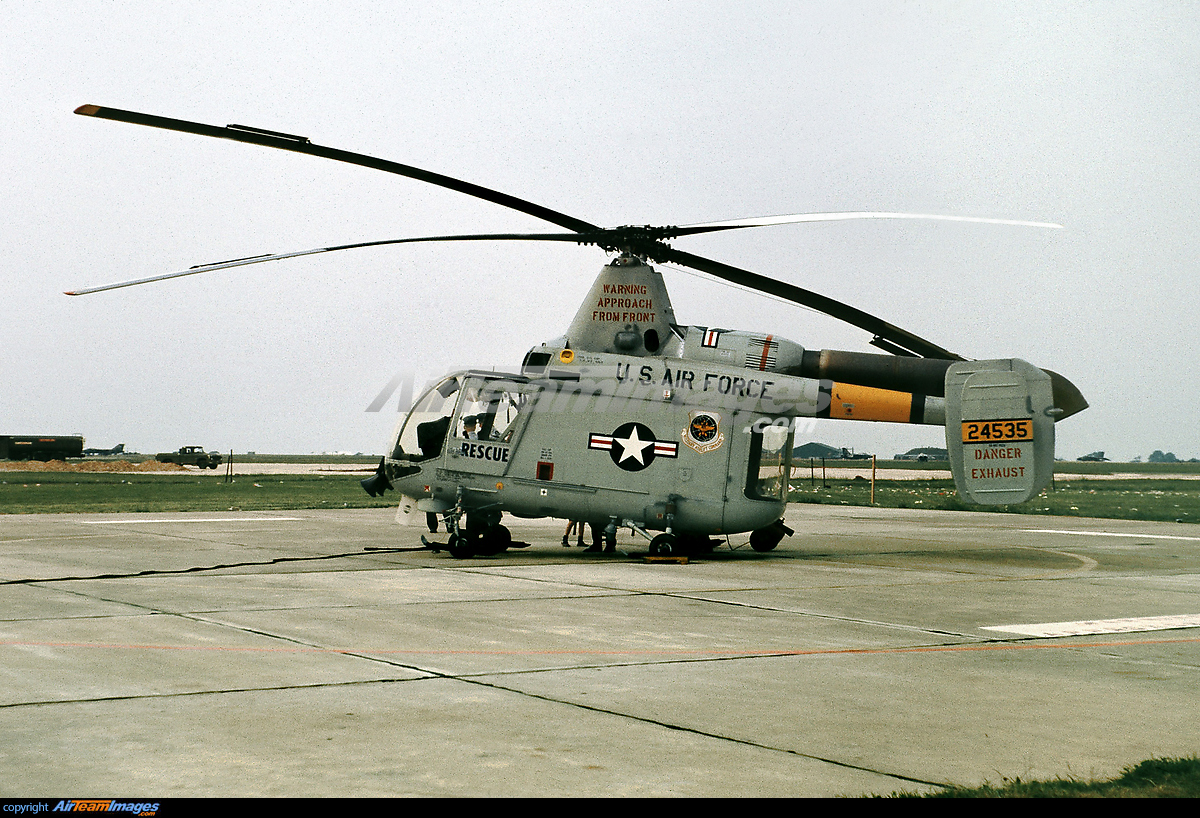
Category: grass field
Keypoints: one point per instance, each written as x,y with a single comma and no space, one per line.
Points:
1147,498
1134,499
1153,778
51,492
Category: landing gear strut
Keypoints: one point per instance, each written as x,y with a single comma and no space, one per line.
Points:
482,535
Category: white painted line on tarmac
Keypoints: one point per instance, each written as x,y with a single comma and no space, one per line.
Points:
195,520
1087,627
1110,534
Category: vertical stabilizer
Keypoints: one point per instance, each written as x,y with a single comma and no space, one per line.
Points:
627,311
1000,429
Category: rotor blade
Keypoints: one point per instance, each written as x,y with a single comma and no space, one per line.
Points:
242,262
795,218
300,144
843,312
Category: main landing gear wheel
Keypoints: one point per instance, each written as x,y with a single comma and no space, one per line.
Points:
494,540
460,546
763,540
663,545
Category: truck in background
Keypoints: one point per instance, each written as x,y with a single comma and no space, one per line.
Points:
191,456
40,447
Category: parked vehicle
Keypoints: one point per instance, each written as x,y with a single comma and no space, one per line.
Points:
40,447
191,456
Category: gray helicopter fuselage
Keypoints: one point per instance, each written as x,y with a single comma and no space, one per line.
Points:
701,443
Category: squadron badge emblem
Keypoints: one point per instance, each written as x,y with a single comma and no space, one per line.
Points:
703,432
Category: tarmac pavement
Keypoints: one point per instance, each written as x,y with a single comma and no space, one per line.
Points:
269,653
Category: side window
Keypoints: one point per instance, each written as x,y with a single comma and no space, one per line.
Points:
490,410
770,464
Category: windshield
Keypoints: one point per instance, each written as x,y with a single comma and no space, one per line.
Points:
424,430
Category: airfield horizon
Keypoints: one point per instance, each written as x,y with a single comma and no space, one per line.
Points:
315,482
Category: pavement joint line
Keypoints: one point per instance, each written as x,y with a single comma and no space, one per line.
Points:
703,733
194,569
831,617
697,655
480,682
473,570
768,608
662,594
470,679
215,692
492,686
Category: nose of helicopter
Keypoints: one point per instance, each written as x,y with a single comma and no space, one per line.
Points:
377,483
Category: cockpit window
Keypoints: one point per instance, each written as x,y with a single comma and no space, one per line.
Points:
490,410
424,431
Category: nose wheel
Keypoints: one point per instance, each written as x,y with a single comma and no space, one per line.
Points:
482,536
664,545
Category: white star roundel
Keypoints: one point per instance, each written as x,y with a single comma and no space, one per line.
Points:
632,446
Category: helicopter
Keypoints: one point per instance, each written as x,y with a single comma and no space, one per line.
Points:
680,433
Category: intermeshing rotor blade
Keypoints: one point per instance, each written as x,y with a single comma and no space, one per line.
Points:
300,144
641,241
796,218
242,262
888,333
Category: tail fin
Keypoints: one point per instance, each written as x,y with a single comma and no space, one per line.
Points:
1000,429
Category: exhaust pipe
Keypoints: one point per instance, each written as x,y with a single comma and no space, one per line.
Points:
923,376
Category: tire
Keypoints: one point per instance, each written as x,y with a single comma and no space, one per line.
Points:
494,540
763,540
664,545
460,547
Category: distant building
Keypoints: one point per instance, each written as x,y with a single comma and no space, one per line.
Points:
816,451
819,451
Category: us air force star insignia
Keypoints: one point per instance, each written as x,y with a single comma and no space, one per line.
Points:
632,446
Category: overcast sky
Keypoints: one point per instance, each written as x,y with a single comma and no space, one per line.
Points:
642,112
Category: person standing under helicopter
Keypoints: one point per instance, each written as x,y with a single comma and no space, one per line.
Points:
571,524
